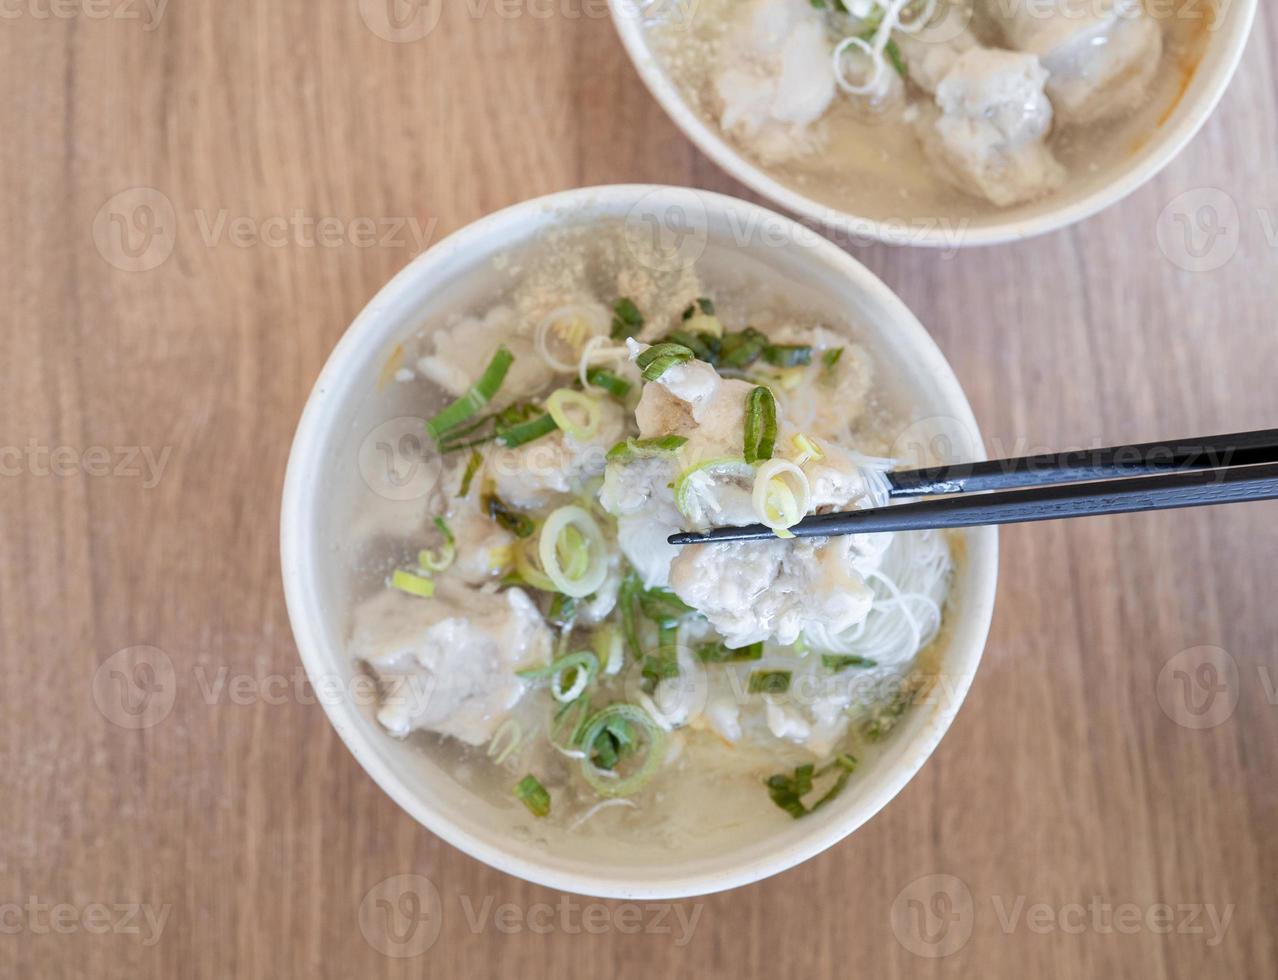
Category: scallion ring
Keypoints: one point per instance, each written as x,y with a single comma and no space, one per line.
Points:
436,560
782,495
608,785
557,551
564,399
575,325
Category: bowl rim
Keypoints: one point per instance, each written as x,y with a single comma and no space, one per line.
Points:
1172,139
297,553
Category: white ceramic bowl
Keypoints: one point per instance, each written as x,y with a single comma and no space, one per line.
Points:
1081,198
348,403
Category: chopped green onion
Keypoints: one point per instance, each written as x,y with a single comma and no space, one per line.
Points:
718,653
412,584
609,382
893,51
787,355
571,542
760,425
831,357
702,348
627,599
472,467
437,560
838,662
787,792
627,320
606,718
740,350
583,665
533,795
614,743
479,395
563,610
562,399
662,606
575,712
657,359
808,451
768,682
703,304
520,525
644,448
525,432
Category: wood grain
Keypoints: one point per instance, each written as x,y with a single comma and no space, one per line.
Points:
1064,778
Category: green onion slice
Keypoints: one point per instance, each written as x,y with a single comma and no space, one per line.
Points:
657,359
582,667
760,425
479,395
525,432
787,355
718,653
562,400
436,560
838,662
787,792
644,448
831,357
472,467
609,382
768,682
572,542
607,718
520,525
533,795
627,320
412,584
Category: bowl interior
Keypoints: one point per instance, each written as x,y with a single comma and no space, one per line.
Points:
1189,98
326,495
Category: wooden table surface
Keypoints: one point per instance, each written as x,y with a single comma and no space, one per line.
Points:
147,408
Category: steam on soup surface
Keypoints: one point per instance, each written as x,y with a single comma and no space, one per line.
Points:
893,108
530,625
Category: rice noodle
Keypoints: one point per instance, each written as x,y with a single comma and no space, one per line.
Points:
909,591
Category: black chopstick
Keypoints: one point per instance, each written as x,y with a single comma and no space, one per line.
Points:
1232,484
1236,449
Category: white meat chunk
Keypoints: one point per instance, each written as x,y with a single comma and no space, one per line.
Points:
529,476
1101,55
753,591
774,78
447,664
463,350
988,130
